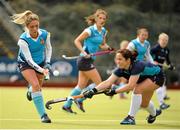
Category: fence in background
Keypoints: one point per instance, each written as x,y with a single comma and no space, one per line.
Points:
63,72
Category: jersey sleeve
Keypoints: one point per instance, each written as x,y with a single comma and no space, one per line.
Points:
131,46
148,55
118,72
167,57
88,30
25,51
48,49
138,67
152,52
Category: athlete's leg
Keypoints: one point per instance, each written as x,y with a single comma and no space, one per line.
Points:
137,100
94,76
96,79
160,97
148,104
33,79
82,82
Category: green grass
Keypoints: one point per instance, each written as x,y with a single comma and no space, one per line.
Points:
101,112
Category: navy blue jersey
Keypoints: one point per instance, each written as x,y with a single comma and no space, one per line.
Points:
142,68
160,54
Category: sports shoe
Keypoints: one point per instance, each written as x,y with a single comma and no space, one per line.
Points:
164,106
45,119
79,105
151,119
28,96
68,109
129,120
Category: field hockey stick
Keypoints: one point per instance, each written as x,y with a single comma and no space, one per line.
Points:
54,101
47,76
93,54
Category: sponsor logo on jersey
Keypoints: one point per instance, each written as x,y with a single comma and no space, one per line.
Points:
42,41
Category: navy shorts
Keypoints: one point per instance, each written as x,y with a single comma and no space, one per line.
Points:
85,64
24,65
157,79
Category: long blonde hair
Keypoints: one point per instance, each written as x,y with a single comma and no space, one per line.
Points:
91,19
24,18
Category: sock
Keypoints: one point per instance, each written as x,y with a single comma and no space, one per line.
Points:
135,104
164,89
151,109
39,103
160,96
75,91
89,87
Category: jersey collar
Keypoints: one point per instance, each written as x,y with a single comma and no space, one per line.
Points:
29,36
95,28
140,41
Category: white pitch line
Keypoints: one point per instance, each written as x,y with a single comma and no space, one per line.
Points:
67,120
91,129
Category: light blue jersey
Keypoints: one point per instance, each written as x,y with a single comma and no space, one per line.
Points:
141,49
92,43
36,48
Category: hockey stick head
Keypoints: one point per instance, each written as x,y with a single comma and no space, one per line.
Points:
48,103
64,56
70,57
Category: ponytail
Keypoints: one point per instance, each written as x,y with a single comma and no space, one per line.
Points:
90,19
134,55
24,18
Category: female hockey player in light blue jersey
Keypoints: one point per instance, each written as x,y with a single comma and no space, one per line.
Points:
34,57
141,45
89,41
